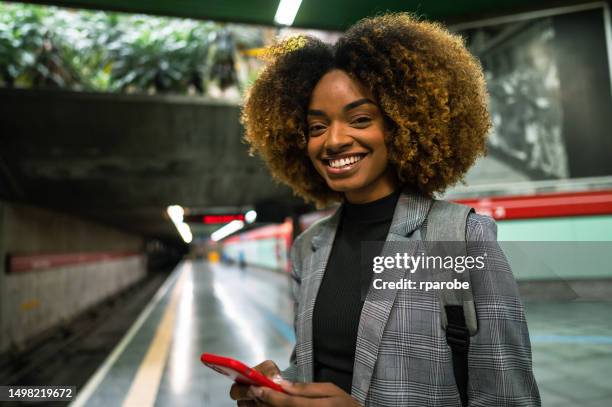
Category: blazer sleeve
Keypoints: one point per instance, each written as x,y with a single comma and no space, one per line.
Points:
291,372
499,359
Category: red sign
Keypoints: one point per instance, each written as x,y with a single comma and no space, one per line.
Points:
544,205
35,262
216,219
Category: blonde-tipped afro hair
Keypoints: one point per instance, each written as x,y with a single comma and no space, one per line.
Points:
429,87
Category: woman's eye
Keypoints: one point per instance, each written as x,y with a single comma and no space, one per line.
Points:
362,120
315,128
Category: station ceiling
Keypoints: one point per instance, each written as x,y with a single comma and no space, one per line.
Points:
320,14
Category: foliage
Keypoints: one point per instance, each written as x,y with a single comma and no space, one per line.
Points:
99,51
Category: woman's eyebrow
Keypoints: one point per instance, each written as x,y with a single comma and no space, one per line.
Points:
349,106
356,103
313,112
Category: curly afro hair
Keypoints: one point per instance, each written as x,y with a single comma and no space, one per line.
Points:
430,89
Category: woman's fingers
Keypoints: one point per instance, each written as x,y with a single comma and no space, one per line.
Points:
269,397
312,389
268,368
304,395
239,392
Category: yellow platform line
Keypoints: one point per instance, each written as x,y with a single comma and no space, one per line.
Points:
143,391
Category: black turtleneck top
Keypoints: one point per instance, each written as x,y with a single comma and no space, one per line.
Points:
338,304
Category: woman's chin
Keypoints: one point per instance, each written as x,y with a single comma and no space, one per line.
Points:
344,186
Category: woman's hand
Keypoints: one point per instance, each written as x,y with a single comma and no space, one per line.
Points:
240,392
304,395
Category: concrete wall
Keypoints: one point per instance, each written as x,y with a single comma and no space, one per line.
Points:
39,300
31,230
34,301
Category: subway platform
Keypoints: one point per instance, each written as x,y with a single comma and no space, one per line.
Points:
247,314
202,307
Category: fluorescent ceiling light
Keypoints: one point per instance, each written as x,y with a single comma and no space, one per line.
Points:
250,216
227,230
176,213
286,12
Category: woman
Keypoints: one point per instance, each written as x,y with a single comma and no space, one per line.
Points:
393,113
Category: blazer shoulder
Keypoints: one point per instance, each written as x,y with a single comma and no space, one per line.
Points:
480,228
305,238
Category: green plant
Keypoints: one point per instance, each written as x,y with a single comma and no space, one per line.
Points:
44,46
161,55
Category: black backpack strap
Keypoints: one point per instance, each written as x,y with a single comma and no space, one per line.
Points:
458,338
447,221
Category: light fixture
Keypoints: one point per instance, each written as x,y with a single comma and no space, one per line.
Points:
286,12
250,216
227,230
176,214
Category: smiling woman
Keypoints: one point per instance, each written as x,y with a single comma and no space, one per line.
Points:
393,113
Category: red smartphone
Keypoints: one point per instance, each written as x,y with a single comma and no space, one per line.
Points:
237,371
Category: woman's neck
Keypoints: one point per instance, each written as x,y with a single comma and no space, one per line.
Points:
384,186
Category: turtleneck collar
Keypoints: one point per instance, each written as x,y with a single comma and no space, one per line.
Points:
380,209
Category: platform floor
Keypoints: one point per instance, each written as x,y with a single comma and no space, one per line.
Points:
247,314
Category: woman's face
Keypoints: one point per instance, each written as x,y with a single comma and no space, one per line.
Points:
346,142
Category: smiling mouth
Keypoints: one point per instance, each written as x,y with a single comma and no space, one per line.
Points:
344,162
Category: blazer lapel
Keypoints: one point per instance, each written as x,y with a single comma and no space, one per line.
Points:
321,245
410,212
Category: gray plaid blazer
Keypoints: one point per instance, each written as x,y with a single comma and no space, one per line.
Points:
402,357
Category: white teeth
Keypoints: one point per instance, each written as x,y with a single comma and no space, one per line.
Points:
344,161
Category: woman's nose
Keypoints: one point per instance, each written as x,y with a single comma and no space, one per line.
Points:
337,139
